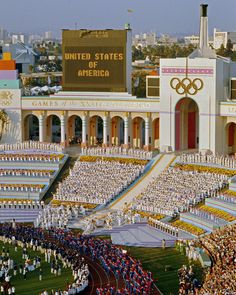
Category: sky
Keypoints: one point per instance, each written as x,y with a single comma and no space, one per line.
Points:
175,17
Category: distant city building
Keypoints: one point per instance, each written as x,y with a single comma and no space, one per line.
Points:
194,40
3,34
222,38
48,35
35,38
166,39
15,38
145,39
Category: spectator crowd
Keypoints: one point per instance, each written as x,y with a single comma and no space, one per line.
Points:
30,157
117,151
221,246
26,172
24,187
97,182
175,190
220,160
188,283
32,145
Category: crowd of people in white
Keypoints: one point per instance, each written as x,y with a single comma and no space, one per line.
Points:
30,157
226,198
26,172
20,204
53,216
33,188
97,182
175,191
220,160
29,145
110,220
28,239
117,151
205,215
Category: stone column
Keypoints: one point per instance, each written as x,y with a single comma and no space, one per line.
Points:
84,131
105,131
126,132
63,138
41,128
147,146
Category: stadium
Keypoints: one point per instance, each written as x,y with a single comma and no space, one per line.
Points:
102,192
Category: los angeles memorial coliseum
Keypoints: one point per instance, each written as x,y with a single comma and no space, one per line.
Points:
96,184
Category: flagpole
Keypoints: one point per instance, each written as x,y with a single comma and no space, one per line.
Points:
129,12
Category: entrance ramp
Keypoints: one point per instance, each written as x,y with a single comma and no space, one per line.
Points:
163,162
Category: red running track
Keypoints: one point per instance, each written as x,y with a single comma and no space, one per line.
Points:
100,279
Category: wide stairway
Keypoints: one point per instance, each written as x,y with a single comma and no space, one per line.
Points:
159,165
210,221
221,204
20,215
139,235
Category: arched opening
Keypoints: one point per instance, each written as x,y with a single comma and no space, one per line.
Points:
117,131
74,129
31,128
53,125
95,131
156,133
186,124
138,132
231,138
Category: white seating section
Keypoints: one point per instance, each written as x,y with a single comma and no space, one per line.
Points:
117,151
175,191
97,182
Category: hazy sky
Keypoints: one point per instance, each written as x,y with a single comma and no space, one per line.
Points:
161,16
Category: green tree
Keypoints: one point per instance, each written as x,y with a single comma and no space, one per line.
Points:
229,48
221,50
137,53
139,83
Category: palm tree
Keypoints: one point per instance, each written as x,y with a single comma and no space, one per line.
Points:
3,122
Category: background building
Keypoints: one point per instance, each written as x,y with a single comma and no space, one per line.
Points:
15,38
194,40
145,39
222,38
48,35
166,39
3,35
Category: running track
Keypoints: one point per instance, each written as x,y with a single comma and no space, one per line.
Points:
100,279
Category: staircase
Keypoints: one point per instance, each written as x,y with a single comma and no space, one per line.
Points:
138,235
201,222
20,215
220,204
157,168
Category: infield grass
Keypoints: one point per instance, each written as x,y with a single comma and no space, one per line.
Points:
164,264
32,285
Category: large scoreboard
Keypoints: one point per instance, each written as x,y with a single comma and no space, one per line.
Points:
95,60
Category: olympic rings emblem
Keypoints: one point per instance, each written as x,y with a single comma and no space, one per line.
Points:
186,85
